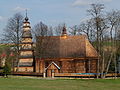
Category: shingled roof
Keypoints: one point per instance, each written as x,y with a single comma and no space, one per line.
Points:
64,47
26,34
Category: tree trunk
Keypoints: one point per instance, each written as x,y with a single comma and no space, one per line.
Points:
108,65
102,71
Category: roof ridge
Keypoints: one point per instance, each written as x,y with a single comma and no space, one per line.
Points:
51,64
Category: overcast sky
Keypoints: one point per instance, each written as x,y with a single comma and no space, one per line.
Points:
51,12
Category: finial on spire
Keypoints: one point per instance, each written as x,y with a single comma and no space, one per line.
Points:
26,18
26,12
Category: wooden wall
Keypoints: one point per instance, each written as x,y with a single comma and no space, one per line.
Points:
68,66
24,69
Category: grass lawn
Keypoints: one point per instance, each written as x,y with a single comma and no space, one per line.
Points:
18,83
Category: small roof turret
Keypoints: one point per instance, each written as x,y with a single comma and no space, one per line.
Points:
64,31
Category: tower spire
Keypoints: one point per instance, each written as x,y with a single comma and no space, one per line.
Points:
26,18
26,12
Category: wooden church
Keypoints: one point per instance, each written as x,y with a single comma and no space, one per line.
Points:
56,54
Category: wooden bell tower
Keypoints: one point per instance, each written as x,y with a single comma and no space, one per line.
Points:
26,58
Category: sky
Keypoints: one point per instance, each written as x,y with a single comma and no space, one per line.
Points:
51,12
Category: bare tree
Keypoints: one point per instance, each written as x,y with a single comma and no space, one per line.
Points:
74,30
50,31
40,29
58,29
98,25
113,19
87,28
13,32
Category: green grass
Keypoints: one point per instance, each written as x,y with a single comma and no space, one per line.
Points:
58,84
